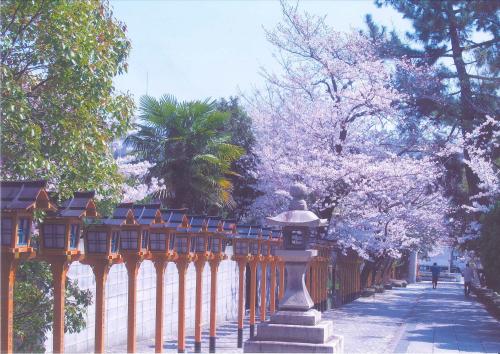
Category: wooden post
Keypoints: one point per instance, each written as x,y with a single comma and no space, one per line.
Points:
348,279
160,262
323,285
242,263
214,268
253,290
308,278
358,279
314,283
132,264
263,289
182,265
59,268
9,265
325,290
320,283
342,279
281,290
272,289
199,265
101,270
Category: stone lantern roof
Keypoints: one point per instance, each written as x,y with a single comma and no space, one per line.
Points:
297,215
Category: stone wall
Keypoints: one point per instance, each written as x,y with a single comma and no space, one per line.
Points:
116,302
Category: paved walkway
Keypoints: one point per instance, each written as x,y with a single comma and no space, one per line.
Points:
417,319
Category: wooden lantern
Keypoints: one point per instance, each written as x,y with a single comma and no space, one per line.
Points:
148,215
172,220
241,241
130,230
199,234
182,239
19,201
265,244
102,241
60,231
254,236
276,241
159,234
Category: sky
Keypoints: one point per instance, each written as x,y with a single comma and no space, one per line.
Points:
213,49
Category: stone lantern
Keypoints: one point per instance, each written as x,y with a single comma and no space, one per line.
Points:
296,327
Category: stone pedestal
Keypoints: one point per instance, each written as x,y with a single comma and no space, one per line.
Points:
296,327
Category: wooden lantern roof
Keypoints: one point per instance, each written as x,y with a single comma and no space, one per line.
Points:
25,196
229,226
80,205
215,224
197,223
255,231
123,214
248,231
147,214
243,231
173,218
271,233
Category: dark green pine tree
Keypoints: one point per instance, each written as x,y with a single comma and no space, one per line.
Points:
461,40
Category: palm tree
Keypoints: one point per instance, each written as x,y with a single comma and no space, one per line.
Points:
190,149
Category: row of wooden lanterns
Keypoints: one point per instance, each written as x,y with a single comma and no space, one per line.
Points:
256,246
317,277
132,234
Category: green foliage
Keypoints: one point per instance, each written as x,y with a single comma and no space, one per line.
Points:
490,248
34,302
239,126
59,108
190,149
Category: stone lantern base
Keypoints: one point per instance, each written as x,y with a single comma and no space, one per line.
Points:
295,332
296,327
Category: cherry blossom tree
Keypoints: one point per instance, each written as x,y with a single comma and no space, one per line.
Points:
134,187
330,120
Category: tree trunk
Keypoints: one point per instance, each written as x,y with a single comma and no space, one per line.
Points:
468,112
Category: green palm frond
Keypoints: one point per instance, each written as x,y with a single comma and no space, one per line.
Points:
188,143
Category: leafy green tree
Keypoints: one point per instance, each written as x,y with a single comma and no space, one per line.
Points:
34,302
59,108
59,112
191,151
239,126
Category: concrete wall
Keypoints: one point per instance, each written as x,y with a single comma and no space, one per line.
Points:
116,302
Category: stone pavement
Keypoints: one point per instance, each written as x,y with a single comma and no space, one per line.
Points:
444,321
416,319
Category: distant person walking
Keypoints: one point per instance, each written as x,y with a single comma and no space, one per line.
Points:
468,276
435,275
